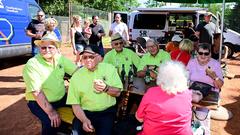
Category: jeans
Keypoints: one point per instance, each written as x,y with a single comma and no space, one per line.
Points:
102,122
47,129
35,50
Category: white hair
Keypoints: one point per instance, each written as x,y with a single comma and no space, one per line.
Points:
172,77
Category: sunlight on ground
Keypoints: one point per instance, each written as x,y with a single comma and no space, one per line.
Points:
8,100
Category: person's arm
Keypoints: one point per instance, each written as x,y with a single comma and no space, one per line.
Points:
47,108
110,33
101,86
139,119
126,32
72,33
86,123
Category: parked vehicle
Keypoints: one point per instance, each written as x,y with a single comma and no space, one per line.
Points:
15,16
162,23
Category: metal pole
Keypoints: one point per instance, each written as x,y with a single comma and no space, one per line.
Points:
221,37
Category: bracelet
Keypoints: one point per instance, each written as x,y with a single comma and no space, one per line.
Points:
216,79
106,88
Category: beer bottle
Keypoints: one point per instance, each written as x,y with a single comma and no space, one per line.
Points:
130,75
147,77
122,74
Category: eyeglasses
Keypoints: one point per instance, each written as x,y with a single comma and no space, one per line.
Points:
40,15
119,43
47,47
88,57
150,47
204,53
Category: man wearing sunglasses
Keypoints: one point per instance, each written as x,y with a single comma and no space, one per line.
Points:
119,55
45,89
35,30
92,92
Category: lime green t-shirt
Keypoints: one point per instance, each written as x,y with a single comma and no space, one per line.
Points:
82,92
148,59
38,74
126,57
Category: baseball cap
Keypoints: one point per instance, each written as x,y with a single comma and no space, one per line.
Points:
176,38
208,14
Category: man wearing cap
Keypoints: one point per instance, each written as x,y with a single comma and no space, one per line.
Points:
152,59
35,30
119,27
174,44
92,93
119,56
206,29
45,89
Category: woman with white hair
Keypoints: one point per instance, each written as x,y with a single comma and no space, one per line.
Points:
50,25
166,108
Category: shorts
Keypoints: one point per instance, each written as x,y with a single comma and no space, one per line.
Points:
79,47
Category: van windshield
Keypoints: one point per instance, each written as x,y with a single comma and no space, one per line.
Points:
149,21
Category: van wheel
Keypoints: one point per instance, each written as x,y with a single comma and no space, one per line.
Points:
230,50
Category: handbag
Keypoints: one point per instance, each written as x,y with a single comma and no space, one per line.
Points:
209,96
204,88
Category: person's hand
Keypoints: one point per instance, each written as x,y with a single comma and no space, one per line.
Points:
38,36
55,118
153,75
74,51
99,35
87,126
210,73
99,85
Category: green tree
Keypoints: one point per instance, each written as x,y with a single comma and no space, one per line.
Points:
233,18
154,3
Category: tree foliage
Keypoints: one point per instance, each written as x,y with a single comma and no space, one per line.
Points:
233,18
60,7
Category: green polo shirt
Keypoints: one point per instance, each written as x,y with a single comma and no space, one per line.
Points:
126,57
148,59
38,74
82,92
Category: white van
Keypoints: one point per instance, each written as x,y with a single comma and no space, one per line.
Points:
157,22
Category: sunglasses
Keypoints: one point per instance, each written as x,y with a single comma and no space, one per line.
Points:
204,53
47,47
119,43
88,57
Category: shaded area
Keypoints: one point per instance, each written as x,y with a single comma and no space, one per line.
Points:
12,62
11,79
11,91
20,122
232,126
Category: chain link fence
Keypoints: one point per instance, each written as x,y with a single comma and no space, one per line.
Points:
85,13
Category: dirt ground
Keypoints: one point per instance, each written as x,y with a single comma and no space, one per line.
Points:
16,119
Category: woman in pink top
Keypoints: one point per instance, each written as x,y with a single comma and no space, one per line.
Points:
204,68
166,109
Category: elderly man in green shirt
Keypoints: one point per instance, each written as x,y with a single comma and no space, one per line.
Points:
45,89
120,56
92,93
150,61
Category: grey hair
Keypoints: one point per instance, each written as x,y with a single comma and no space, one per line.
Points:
172,77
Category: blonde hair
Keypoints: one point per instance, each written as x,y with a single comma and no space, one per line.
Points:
49,21
186,45
86,21
76,18
172,77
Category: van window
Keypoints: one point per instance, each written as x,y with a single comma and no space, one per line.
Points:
149,21
33,9
180,21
